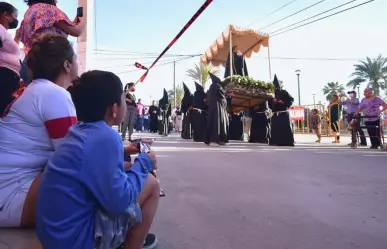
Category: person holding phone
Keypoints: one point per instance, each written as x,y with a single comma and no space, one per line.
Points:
42,17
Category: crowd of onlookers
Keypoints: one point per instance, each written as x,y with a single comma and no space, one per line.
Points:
62,169
368,112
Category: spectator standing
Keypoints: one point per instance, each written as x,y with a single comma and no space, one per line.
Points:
130,117
352,103
9,56
139,116
373,106
334,117
42,17
146,119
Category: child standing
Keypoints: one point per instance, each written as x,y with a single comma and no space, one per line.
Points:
315,120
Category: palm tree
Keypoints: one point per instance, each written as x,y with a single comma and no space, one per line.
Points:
372,71
332,88
200,72
179,95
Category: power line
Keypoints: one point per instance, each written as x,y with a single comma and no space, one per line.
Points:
118,52
162,64
274,11
322,18
319,14
295,13
147,62
309,59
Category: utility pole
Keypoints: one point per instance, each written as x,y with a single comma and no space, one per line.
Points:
298,71
358,92
174,83
314,100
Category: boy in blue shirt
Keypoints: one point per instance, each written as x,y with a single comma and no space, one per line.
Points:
87,197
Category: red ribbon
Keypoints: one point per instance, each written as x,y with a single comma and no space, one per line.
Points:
138,65
189,23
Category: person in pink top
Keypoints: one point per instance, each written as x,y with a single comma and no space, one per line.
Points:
44,17
140,116
372,106
9,56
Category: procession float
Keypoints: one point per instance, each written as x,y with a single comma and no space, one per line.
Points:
230,50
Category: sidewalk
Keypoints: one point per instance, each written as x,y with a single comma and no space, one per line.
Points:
311,138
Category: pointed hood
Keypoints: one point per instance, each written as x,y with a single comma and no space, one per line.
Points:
187,92
199,87
276,83
165,95
214,78
164,100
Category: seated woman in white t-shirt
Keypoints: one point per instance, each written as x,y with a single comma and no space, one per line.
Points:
33,126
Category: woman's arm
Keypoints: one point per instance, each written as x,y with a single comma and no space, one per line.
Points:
383,104
75,31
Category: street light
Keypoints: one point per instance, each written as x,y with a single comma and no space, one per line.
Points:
314,100
298,71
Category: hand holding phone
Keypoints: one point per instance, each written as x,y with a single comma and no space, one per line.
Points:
80,12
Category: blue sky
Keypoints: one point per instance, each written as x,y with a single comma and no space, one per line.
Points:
148,26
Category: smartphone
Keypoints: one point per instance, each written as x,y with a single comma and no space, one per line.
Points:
80,12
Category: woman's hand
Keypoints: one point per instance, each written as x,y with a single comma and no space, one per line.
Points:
152,155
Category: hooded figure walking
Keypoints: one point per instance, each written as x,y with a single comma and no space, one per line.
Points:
260,124
164,106
217,117
186,109
199,114
281,129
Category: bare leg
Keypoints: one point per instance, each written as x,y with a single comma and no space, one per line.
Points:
148,200
28,215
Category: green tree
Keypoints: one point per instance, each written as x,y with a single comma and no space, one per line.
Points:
332,88
200,72
371,71
179,95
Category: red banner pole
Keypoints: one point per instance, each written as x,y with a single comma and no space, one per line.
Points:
174,40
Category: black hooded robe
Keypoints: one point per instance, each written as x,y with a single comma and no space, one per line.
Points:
169,121
239,66
260,124
235,131
217,116
186,104
164,106
199,114
154,113
281,129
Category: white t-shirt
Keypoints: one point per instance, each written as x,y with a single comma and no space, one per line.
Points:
30,132
9,52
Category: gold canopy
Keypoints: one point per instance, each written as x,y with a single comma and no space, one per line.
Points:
247,41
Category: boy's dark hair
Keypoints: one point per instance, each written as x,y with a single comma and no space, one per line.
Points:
47,55
6,8
32,2
93,93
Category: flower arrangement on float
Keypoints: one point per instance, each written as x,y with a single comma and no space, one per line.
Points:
244,85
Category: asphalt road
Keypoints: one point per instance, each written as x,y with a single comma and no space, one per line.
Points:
324,196
252,196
